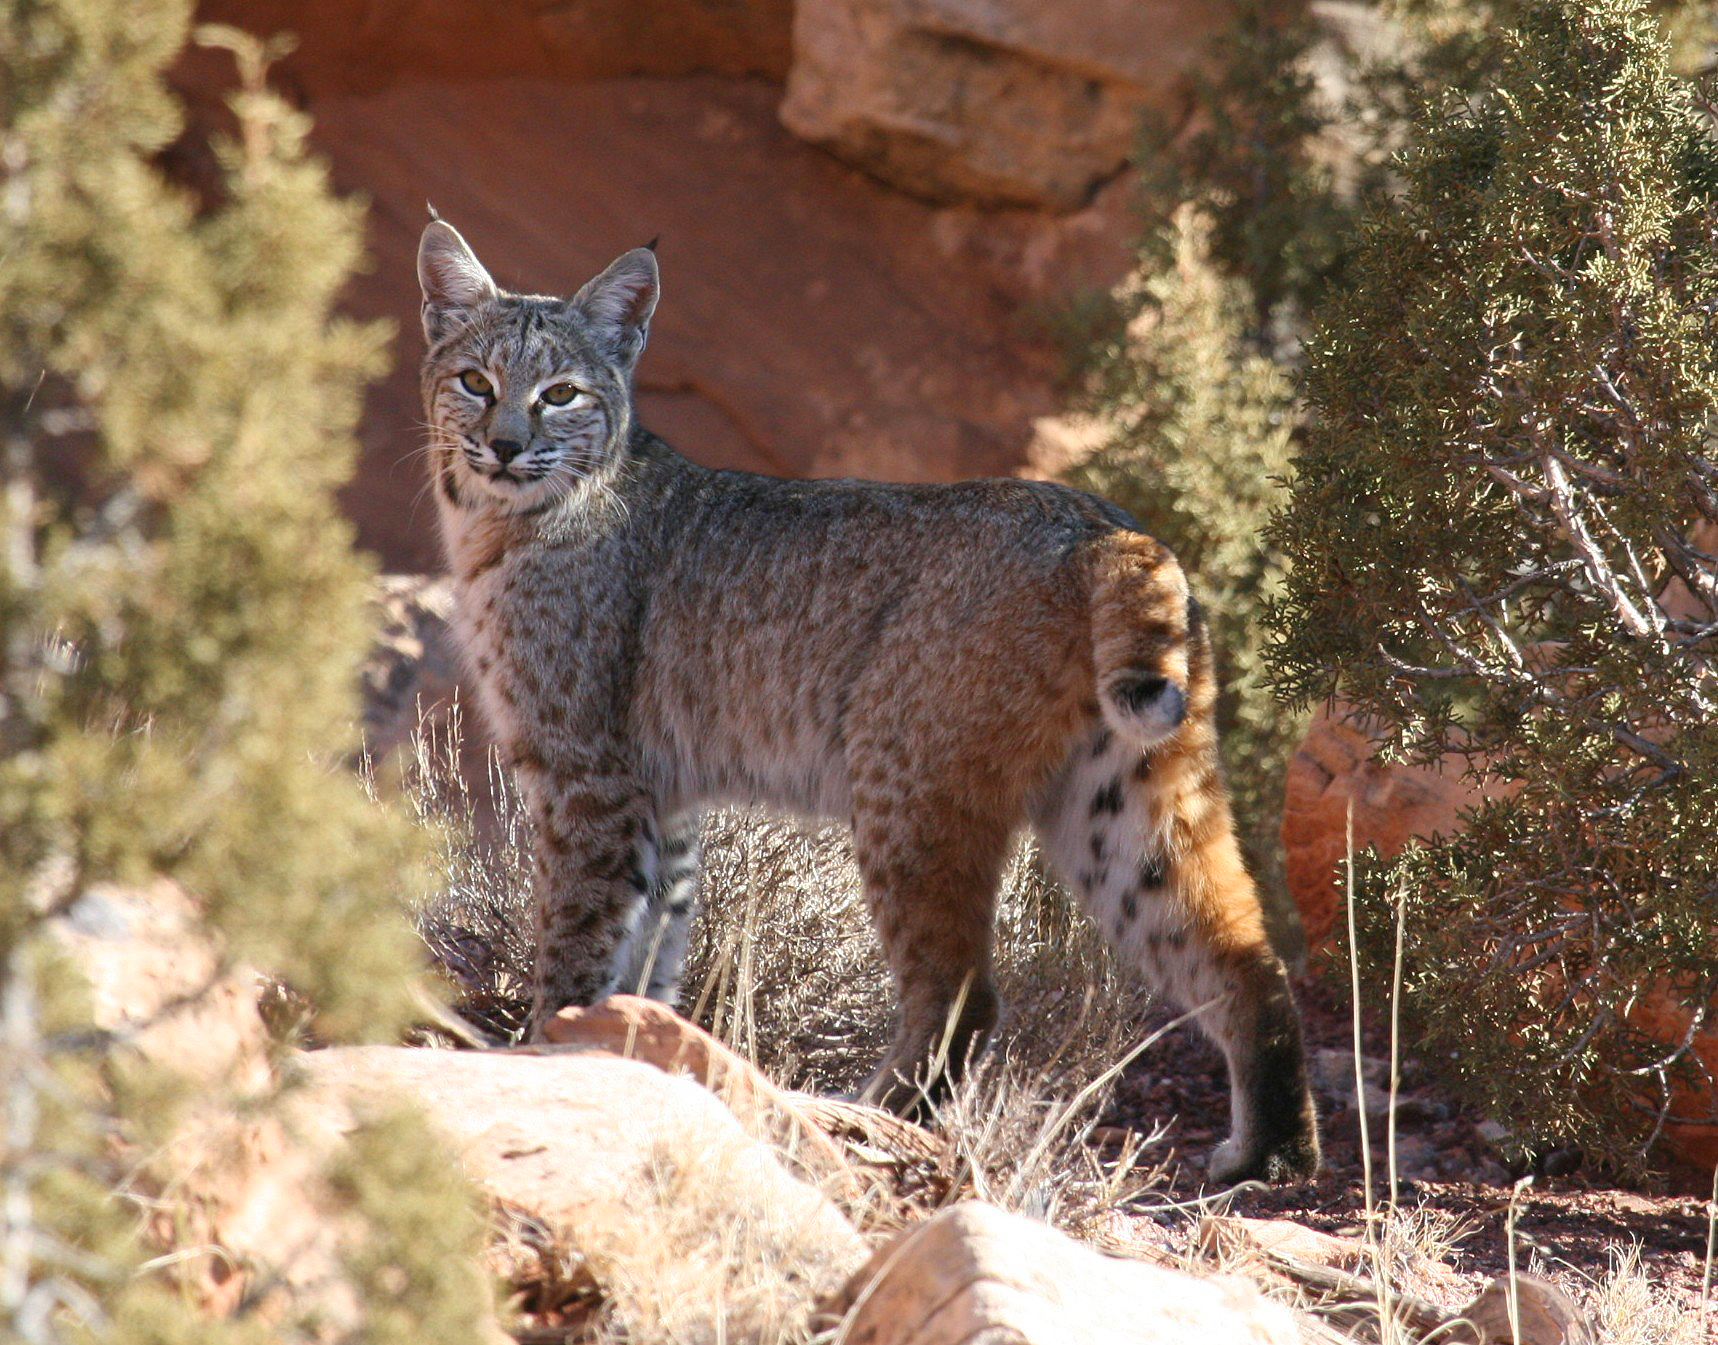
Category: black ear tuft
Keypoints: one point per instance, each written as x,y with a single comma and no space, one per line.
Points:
651,245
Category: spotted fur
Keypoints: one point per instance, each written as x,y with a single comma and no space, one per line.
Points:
937,665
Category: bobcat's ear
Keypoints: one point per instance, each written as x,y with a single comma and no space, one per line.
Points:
619,303
454,282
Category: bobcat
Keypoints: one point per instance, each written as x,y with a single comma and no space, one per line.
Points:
939,665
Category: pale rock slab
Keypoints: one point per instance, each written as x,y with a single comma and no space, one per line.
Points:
800,1127
634,1167
975,1275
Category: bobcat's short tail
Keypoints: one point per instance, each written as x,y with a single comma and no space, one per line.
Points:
1138,824
1148,646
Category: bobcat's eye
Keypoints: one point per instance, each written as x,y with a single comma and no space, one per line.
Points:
476,384
559,394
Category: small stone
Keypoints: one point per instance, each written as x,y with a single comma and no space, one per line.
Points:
1546,1315
1332,1071
1492,1132
1377,1102
1559,1162
1227,1237
1489,1172
1416,1158
1415,1109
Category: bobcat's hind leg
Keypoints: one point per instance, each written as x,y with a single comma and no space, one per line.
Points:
1273,1130
1147,844
931,874
652,952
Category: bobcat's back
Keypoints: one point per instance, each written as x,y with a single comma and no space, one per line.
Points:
774,617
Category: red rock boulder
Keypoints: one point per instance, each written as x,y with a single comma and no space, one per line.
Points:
1333,770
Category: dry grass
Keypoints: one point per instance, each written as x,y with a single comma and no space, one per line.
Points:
786,970
695,1256
550,1288
1628,1309
1018,1136
698,1257
478,925
783,966
1415,1242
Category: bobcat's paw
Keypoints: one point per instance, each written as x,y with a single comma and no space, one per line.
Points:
912,1099
1289,1160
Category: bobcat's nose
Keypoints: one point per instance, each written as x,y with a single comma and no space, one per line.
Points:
505,450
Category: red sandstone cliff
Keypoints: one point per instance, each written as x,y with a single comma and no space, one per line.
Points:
865,314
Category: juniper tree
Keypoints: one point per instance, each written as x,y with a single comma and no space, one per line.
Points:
180,620
1251,162
1502,529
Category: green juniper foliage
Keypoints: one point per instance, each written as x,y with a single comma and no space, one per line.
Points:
1502,529
1278,218
1295,116
1196,428
181,613
415,1272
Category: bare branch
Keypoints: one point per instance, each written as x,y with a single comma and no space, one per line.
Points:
1551,574
1616,396
1518,486
1694,567
1597,567
1420,671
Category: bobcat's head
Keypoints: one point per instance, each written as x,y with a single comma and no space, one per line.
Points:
526,396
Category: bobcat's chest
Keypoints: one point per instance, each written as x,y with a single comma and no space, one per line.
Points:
544,641
483,626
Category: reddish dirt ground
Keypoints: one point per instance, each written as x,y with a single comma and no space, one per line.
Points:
1574,1223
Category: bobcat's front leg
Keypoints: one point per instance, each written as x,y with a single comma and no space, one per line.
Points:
653,953
592,819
